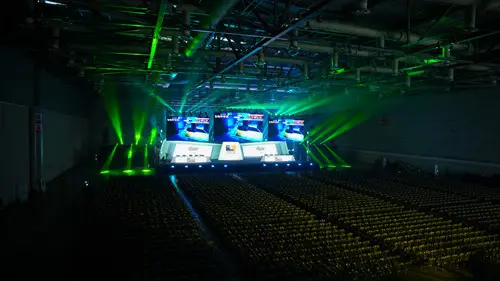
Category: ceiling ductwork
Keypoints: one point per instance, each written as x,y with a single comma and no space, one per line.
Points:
346,28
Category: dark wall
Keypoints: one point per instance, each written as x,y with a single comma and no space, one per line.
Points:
65,109
459,131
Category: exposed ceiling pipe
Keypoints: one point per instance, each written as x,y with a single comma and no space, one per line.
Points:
395,66
353,29
371,69
473,13
186,22
363,8
451,74
354,50
294,44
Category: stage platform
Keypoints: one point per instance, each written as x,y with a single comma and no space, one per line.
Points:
237,166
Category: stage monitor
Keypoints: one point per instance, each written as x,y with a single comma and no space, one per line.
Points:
238,127
286,130
188,129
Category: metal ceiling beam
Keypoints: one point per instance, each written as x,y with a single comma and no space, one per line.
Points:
265,42
156,34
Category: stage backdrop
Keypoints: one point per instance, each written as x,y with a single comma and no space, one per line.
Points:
239,127
286,130
188,129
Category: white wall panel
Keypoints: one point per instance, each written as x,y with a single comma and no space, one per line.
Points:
14,152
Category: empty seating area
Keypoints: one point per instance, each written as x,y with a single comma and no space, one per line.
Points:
276,239
429,238
153,234
275,226
474,204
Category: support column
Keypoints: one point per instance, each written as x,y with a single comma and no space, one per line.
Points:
37,182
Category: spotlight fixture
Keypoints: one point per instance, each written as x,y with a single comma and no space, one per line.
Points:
186,166
225,166
172,166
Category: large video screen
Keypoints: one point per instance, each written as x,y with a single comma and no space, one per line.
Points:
286,130
188,129
239,127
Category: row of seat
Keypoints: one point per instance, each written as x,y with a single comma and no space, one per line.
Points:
430,238
277,239
450,199
155,232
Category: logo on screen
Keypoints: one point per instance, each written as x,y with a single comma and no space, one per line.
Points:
193,148
260,148
230,147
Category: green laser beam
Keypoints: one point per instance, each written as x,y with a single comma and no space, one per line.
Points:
327,161
110,158
358,119
129,157
335,155
152,137
156,34
113,109
313,156
146,162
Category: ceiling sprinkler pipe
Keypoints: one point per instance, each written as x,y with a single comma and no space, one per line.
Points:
186,22
451,74
446,52
306,71
381,42
358,75
294,44
55,37
334,61
175,45
473,14
260,58
363,8
395,66
408,81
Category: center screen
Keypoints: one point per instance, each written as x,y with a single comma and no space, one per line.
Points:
239,127
188,129
286,130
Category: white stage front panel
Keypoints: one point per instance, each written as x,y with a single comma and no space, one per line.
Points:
258,149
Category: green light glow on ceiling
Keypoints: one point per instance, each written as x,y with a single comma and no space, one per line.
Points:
416,73
432,61
339,71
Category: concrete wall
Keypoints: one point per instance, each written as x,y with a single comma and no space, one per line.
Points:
65,109
457,130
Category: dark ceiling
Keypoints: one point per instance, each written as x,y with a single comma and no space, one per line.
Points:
187,52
